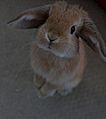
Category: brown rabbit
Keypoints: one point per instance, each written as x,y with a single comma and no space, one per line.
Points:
58,53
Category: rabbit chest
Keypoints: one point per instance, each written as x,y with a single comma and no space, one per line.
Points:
53,68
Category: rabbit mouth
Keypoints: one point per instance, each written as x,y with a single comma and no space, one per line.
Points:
50,45
46,48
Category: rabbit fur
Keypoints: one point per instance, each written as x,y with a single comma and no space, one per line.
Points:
58,55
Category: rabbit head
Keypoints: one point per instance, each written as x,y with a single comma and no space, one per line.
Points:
59,27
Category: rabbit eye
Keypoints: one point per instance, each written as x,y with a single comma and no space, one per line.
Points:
72,29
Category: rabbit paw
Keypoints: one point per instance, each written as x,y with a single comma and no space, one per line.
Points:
47,90
38,81
64,92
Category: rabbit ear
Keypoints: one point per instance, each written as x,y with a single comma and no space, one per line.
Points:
93,38
31,18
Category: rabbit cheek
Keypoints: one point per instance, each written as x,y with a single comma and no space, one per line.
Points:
42,42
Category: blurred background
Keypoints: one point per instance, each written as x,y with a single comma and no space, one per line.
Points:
18,99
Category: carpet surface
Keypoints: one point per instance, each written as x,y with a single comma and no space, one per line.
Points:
18,99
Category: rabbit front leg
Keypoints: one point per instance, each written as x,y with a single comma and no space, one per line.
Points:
47,90
44,89
38,81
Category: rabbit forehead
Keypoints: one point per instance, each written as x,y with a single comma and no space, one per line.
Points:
62,16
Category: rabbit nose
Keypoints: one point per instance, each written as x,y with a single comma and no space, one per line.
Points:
51,38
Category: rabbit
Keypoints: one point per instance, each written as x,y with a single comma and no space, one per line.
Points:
58,55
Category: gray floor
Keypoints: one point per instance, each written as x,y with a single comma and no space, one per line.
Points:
18,99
